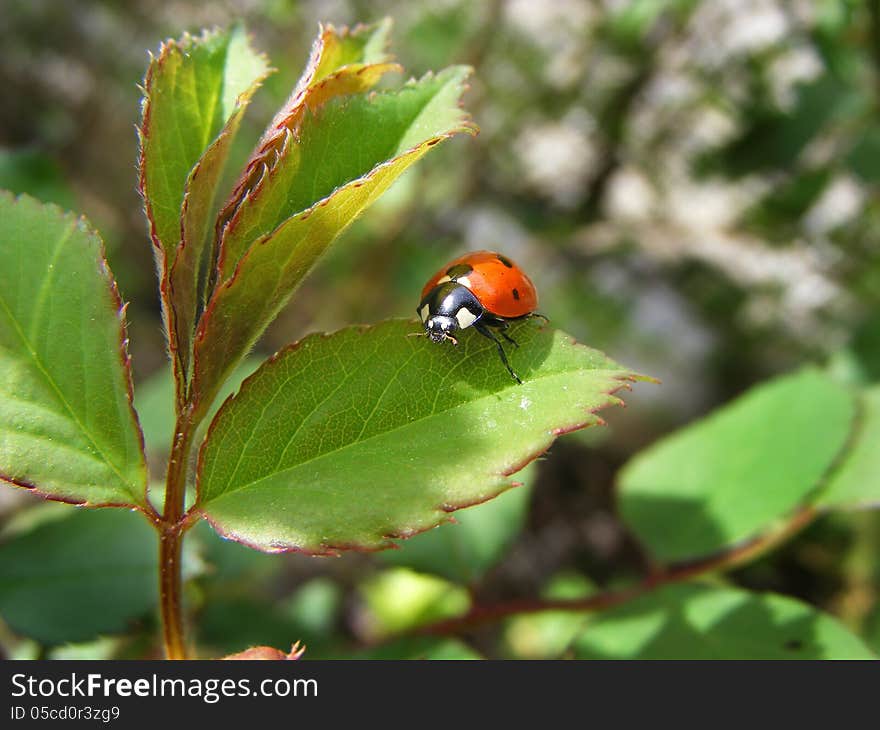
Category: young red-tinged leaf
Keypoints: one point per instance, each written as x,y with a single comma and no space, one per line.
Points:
67,426
856,482
195,93
268,653
342,62
328,176
350,440
739,471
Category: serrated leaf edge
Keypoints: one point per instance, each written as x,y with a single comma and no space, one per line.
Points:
164,268
270,151
82,223
465,125
230,127
443,510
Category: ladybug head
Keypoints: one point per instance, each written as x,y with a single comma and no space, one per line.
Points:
440,327
448,308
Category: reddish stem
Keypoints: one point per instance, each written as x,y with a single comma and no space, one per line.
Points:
480,615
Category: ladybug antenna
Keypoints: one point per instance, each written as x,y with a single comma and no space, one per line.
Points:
417,334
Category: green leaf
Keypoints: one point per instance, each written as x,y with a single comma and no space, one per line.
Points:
856,483
420,647
352,439
191,90
35,173
399,599
154,399
738,471
479,538
335,49
195,94
75,578
547,634
342,63
327,177
67,426
692,621
244,614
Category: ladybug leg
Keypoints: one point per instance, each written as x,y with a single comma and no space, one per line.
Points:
539,315
502,327
486,332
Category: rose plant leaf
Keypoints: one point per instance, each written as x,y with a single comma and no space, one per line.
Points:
341,62
192,89
695,621
74,578
417,647
67,426
739,471
856,482
335,172
195,94
353,439
480,536
154,400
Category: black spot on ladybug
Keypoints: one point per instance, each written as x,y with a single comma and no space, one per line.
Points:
506,261
794,644
516,295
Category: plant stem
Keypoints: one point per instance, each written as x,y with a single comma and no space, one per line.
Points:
480,615
171,535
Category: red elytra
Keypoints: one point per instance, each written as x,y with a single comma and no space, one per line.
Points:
498,283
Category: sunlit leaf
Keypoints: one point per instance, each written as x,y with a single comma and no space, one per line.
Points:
547,634
349,440
735,473
479,538
328,175
422,647
67,426
399,599
856,483
342,62
194,88
692,621
195,94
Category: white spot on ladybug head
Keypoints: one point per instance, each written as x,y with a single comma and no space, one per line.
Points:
443,279
423,313
465,317
464,281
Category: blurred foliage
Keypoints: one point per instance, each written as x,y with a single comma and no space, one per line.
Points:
693,185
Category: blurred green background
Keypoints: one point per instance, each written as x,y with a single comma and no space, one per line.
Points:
691,184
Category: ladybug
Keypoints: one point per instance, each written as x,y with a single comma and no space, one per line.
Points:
484,290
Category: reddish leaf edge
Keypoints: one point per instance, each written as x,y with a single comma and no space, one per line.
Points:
261,168
84,225
163,265
200,406
255,169
169,272
297,96
335,550
183,44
